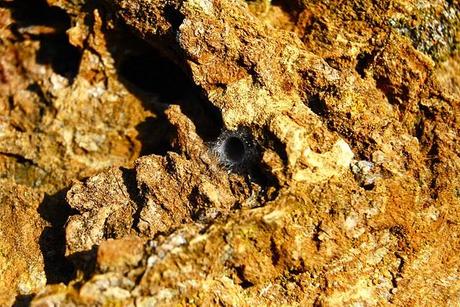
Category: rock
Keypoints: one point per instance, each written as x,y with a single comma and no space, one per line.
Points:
21,259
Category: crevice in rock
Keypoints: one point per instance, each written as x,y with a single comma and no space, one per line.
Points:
363,61
317,105
55,210
316,235
20,159
173,15
156,135
159,82
419,129
84,261
244,283
55,50
291,8
274,251
129,180
147,70
434,160
396,276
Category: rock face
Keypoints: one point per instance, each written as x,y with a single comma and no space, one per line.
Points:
231,152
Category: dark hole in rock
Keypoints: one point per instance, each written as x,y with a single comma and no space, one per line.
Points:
369,186
237,149
156,135
55,50
317,105
364,60
419,129
173,15
234,149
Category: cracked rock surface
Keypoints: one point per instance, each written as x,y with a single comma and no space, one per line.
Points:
229,152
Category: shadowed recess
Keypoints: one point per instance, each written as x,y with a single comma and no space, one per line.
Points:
55,210
159,82
36,20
